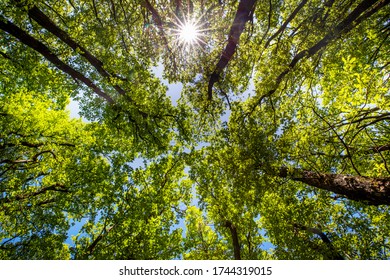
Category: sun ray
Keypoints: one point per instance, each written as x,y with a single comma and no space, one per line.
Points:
188,31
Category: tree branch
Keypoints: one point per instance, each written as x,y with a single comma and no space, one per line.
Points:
368,7
244,13
236,243
374,191
45,22
33,43
56,187
158,21
334,254
284,25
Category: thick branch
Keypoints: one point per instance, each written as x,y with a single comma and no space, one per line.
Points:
33,43
360,13
100,237
156,16
33,159
33,145
45,22
16,161
243,15
55,187
380,148
375,191
178,7
236,243
158,21
288,20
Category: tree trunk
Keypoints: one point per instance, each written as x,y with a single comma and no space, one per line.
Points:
236,243
244,13
374,191
46,23
36,45
363,11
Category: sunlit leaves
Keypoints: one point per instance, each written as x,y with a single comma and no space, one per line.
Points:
146,179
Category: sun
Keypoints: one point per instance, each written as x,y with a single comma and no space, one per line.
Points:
189,33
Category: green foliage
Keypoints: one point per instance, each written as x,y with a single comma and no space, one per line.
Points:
202,243
142,178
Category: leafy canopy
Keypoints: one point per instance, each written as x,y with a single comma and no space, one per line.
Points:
278,147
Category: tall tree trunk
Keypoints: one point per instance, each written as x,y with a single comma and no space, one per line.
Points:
46,23
362,12
236,243
244,14
375,191
33,43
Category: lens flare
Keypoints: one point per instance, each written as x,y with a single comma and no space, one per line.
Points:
189,33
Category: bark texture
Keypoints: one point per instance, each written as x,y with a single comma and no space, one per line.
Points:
236,243
36,45
244,14
375,191
363,11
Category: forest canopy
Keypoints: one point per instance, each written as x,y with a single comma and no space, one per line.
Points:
276,144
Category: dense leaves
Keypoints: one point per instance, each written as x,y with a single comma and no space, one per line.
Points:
278,147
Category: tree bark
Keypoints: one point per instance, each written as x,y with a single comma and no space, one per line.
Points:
56,187
374,191
46,23
33,43
236,243
243,15
363,11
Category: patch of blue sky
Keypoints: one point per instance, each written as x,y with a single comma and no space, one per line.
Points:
174,90
266,245
74,109
74,230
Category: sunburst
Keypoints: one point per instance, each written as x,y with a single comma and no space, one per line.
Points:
188,33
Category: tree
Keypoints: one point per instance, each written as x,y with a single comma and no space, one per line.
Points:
277,149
